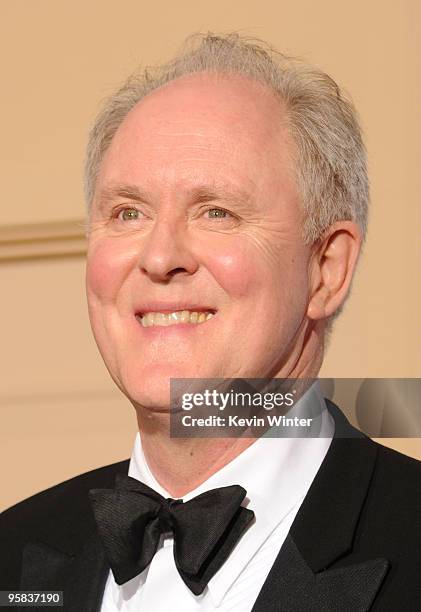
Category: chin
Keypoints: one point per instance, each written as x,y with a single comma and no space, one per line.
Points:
151,387
152,397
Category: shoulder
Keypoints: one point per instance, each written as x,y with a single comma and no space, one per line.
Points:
396,486
389,527
69,496
396,462
60,517
394,475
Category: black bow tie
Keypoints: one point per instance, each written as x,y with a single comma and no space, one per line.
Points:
132,517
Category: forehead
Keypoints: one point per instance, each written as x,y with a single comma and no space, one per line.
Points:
202,127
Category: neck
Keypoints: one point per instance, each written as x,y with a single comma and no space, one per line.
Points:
182,464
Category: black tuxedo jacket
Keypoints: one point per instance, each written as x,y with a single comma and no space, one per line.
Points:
355,544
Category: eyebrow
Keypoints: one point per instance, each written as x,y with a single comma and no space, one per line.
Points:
110,193
202,194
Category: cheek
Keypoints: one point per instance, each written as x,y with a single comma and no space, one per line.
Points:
108,263
246,270
236,268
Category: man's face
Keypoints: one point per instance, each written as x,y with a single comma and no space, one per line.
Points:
196,208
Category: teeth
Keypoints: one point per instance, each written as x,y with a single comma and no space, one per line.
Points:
184,316
162,319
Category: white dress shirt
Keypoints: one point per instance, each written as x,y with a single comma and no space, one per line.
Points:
276,473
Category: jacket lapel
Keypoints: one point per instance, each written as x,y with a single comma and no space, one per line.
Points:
81,577
86,581
315,569
68,556
293,587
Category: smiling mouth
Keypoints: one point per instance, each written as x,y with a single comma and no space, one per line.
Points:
165,319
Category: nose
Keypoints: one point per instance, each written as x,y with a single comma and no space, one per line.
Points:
166,252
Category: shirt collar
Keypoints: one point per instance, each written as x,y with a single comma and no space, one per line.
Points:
276,472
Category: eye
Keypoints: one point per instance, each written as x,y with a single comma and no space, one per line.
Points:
217,213
129,214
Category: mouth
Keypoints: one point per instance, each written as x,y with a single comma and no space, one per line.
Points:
176,317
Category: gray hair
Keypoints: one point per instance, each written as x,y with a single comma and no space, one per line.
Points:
331,158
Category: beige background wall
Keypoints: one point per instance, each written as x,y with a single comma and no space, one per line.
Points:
60,414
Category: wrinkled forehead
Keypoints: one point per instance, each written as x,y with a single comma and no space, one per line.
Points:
202,128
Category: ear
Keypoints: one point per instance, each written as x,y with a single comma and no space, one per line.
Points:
333,266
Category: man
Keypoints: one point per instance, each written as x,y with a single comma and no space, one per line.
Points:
227,198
